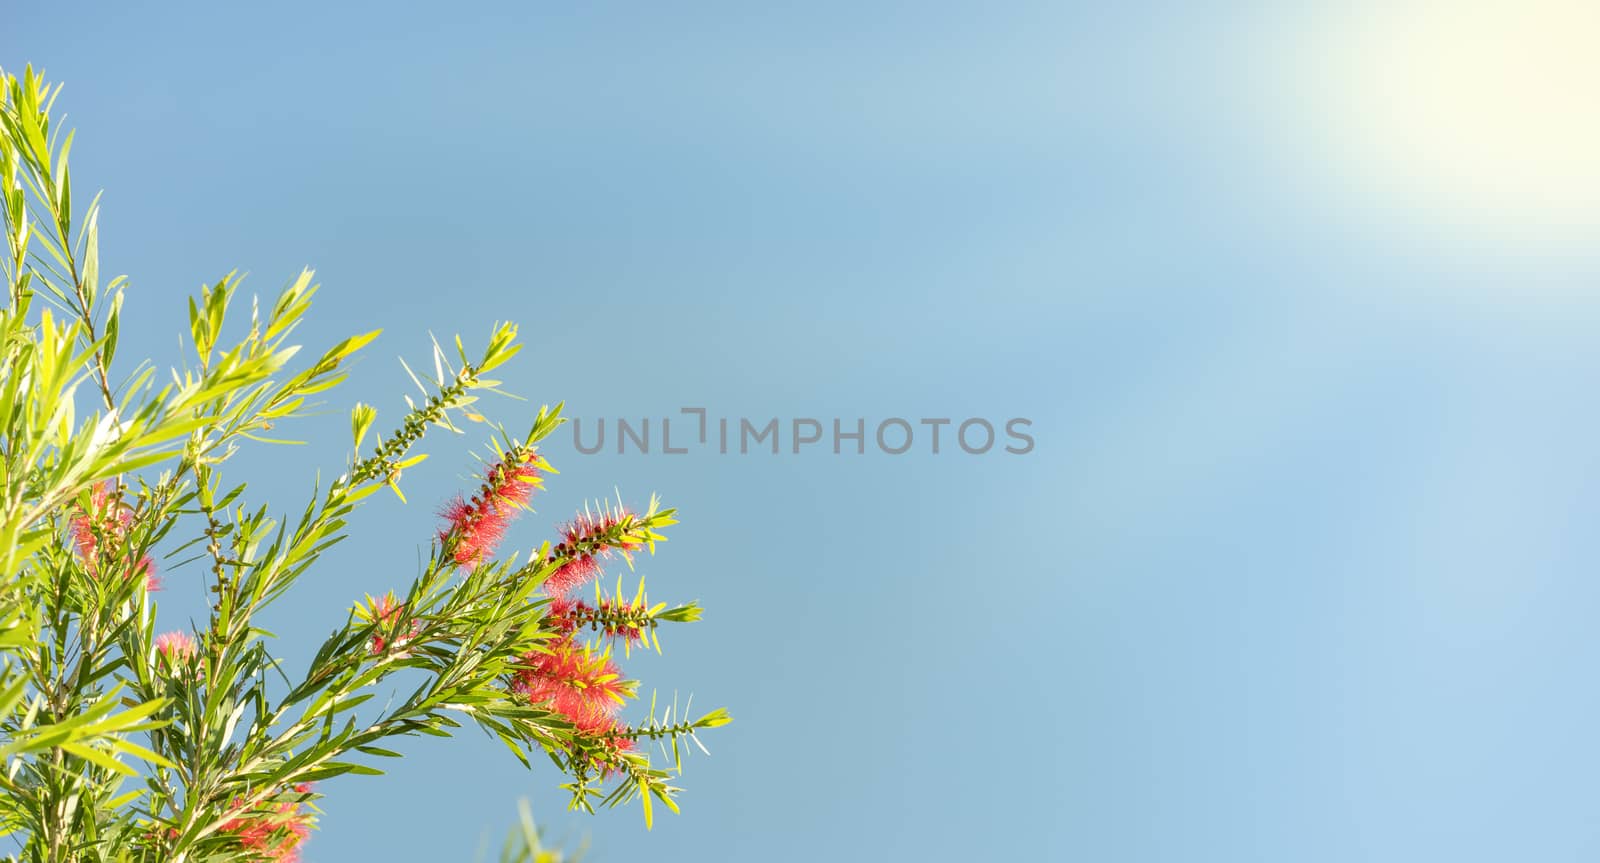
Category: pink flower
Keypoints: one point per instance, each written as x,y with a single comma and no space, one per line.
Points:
176,647
572,575
109,519
511,480
583,685
385,611
147,568
616,618
584,541
274,831
175,654
475,525
84,522
622,627
566,614
604,746
575,681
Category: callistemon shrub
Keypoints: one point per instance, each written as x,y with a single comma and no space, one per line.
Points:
125,740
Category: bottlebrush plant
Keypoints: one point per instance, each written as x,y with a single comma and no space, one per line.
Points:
123,740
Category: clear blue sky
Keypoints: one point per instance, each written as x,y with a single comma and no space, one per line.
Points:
1302,566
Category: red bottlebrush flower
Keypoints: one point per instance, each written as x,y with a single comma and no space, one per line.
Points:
109,518
609,750
621,744
274,830
572,575
571,679
175,655
475,525
511,480
385,608
385,612
584,541
622,627
565,614
145,570
615,617
85,521
603,746
176,647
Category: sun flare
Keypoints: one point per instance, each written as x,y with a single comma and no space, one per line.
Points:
1483,113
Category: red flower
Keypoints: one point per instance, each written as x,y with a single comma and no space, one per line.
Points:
475,525
147,568
477,528
586,539
385,611
84,522
511,480
274,831
110,519
566,614
624,616
572,575
604,748
175,647
617,618
573,680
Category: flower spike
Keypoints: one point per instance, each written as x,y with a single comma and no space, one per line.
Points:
474,526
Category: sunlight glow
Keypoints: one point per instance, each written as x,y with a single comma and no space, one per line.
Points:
1483,114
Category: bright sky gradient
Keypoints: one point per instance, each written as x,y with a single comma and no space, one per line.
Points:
1302,566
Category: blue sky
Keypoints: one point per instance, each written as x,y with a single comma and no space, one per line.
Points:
1300,567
